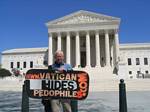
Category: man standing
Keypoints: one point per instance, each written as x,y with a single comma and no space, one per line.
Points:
60,66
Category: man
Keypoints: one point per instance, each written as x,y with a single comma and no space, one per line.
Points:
60,66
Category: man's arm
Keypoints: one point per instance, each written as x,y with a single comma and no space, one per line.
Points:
50,67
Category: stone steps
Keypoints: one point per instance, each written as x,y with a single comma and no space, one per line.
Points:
113,85
11,85
138,85
101,79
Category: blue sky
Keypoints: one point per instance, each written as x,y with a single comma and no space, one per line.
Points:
22,22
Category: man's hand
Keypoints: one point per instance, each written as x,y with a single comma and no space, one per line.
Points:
61,69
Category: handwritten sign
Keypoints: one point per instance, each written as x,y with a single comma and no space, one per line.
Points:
43,83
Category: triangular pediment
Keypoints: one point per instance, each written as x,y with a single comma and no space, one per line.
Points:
82,17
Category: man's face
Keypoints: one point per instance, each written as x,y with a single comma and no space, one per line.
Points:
59,57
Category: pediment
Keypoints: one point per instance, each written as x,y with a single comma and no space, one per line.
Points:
82,17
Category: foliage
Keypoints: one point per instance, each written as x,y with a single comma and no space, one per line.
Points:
4,73
16,72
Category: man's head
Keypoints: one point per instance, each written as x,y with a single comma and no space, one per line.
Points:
59,56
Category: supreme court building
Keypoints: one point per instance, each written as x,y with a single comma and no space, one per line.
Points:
87,39
90,42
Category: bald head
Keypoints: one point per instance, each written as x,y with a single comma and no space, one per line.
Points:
59,56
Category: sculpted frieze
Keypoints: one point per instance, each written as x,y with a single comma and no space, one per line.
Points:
82,19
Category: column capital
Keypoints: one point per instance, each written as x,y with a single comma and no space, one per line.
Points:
106,31
58,33
96,31
116,31
77,32
87,32
68,33
50,34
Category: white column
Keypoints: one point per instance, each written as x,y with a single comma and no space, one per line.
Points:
88,57
116,46
59,41
97,49
68,48
107,51
50,49
77,46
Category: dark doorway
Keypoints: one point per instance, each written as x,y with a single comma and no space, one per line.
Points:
83,58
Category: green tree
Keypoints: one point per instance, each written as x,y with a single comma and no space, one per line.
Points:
4,73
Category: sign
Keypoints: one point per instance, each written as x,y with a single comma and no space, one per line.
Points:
43,83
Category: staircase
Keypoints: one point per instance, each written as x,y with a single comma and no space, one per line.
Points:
103,79
11,84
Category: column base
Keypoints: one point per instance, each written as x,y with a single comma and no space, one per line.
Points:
107,66
76,67
98,66
87,66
